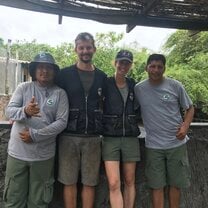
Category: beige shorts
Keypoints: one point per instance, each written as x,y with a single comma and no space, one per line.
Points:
79,156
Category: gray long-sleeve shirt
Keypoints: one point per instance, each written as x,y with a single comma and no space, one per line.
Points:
53,103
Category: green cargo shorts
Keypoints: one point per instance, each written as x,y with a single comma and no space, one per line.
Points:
125,149
28,184
167,167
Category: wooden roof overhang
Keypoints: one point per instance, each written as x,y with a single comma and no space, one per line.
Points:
180,14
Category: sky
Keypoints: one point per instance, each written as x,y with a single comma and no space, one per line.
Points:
17,24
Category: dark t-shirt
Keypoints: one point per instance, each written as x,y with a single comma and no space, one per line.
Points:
86,78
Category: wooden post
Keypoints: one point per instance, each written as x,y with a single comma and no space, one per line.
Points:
7,67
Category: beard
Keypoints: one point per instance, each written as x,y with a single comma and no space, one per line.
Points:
88,60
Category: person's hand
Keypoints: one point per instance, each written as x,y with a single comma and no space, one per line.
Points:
25,136
11,121
182,131
32,108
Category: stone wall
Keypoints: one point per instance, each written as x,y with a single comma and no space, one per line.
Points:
4,136
194,197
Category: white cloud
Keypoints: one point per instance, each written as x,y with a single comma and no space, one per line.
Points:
17,24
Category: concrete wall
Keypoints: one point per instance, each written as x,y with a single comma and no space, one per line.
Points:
194,197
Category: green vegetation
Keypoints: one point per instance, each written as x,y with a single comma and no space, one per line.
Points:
188,62
187,58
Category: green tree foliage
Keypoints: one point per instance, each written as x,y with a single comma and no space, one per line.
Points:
194,82
26,51
138,69
108,40
64,54
181,47
107,45
187,62
187,58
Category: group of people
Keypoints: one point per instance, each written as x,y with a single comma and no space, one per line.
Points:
94,117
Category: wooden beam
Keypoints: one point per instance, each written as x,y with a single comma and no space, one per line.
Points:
193,32
61,2
109,17
60,19
172,23
129,28
150,5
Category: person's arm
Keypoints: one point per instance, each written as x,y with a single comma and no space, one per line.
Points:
137,108
183,128
25,136
55,127
16,110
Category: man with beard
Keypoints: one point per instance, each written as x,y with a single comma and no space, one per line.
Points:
79,144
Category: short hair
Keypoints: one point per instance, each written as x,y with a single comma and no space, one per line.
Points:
156,57
85,36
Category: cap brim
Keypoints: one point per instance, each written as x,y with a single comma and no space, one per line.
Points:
124,59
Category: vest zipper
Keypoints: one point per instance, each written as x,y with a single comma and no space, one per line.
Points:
86,116
123,115
124,130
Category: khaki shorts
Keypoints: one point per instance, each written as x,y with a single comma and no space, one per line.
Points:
79,155
167,167
28,184
124,149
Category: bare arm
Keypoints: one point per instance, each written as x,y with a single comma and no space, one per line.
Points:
183,128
